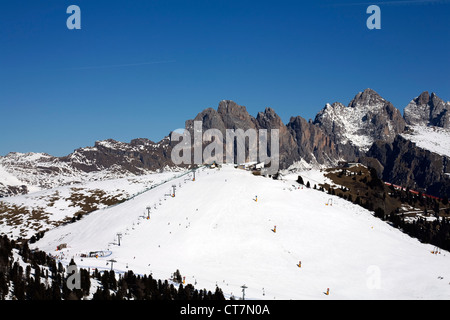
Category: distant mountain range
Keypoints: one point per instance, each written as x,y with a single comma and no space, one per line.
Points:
369,129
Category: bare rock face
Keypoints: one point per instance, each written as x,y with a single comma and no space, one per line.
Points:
235,116
428,110
406,164
8,191
298,139
366,119
231,116
312,143
288,148
136,157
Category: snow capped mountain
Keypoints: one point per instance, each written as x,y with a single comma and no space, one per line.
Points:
428,110
229,228
367,118
29,172
34,171
338,133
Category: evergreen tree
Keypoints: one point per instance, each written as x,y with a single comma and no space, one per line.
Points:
379,213
181,294
218,294
56,291
177,276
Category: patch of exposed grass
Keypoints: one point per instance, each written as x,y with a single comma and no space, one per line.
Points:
91,200
25,218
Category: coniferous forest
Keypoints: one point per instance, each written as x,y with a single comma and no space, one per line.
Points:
33,275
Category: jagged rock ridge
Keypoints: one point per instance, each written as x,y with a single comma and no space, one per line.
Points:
354,132
428,110
366,119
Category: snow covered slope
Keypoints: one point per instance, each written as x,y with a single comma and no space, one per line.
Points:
219,230
434,139
40,171
25,215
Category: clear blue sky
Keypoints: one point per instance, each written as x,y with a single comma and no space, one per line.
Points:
141,68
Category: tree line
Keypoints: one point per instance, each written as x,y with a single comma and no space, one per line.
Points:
45,279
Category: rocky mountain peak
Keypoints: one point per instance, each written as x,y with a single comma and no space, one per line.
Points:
428,110
367,118
235,116
229,107
423,98
269,119
338,132
368,97
142,142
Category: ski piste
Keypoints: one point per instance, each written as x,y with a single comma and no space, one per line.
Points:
217,234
